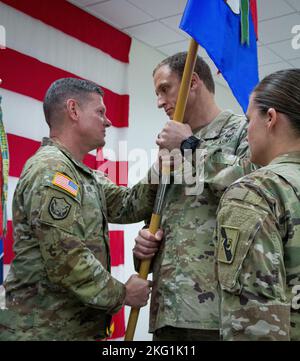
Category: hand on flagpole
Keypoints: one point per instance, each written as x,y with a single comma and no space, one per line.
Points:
173,134
147,244
137,291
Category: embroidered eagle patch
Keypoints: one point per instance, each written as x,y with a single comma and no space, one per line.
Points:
59,208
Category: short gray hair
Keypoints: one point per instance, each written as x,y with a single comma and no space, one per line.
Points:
63,89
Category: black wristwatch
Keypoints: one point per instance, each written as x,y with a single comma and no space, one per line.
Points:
191,142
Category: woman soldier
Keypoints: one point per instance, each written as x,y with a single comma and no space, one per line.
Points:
258,223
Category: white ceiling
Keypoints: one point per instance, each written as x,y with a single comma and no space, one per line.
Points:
155,23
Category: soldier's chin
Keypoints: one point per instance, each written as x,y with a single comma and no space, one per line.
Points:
101,144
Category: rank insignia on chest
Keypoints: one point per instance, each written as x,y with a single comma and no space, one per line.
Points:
62,181
227,243
59,208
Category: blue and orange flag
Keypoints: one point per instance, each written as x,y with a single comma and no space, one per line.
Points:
227,30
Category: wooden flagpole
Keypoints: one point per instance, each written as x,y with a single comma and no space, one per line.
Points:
156,215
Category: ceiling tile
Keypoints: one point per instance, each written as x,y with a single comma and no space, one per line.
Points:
160,8
294,3
266,56
174,48
179,47
285,50
295,63
120,13
154,34
271,68
278,8
173,23
274,30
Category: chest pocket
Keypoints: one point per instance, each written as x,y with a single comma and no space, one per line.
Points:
223,158
93,214
95,222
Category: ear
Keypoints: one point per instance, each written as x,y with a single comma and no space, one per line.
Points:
195,82
272,119
72,109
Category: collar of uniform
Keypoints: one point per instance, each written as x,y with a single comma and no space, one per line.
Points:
292,157
51,142
213,129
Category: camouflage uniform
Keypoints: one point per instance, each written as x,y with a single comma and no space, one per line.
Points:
184,294
258,254
59,286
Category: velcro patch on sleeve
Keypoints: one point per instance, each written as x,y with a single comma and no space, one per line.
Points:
227,245
59,208
62,181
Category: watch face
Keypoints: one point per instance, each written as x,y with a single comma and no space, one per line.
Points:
186,144
194,141
190,143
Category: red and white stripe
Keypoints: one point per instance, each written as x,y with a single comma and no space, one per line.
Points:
45,41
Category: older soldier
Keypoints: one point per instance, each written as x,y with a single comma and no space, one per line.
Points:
184,302
59,286
258,224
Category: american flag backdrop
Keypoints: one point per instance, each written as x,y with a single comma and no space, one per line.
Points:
47,40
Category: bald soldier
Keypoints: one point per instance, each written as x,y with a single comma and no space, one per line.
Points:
59,286
258,222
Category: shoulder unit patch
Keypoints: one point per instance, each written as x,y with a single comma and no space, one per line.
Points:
227,246
59,208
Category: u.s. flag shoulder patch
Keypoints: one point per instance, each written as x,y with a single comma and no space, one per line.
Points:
62,181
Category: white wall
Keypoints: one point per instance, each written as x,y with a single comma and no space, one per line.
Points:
145,123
